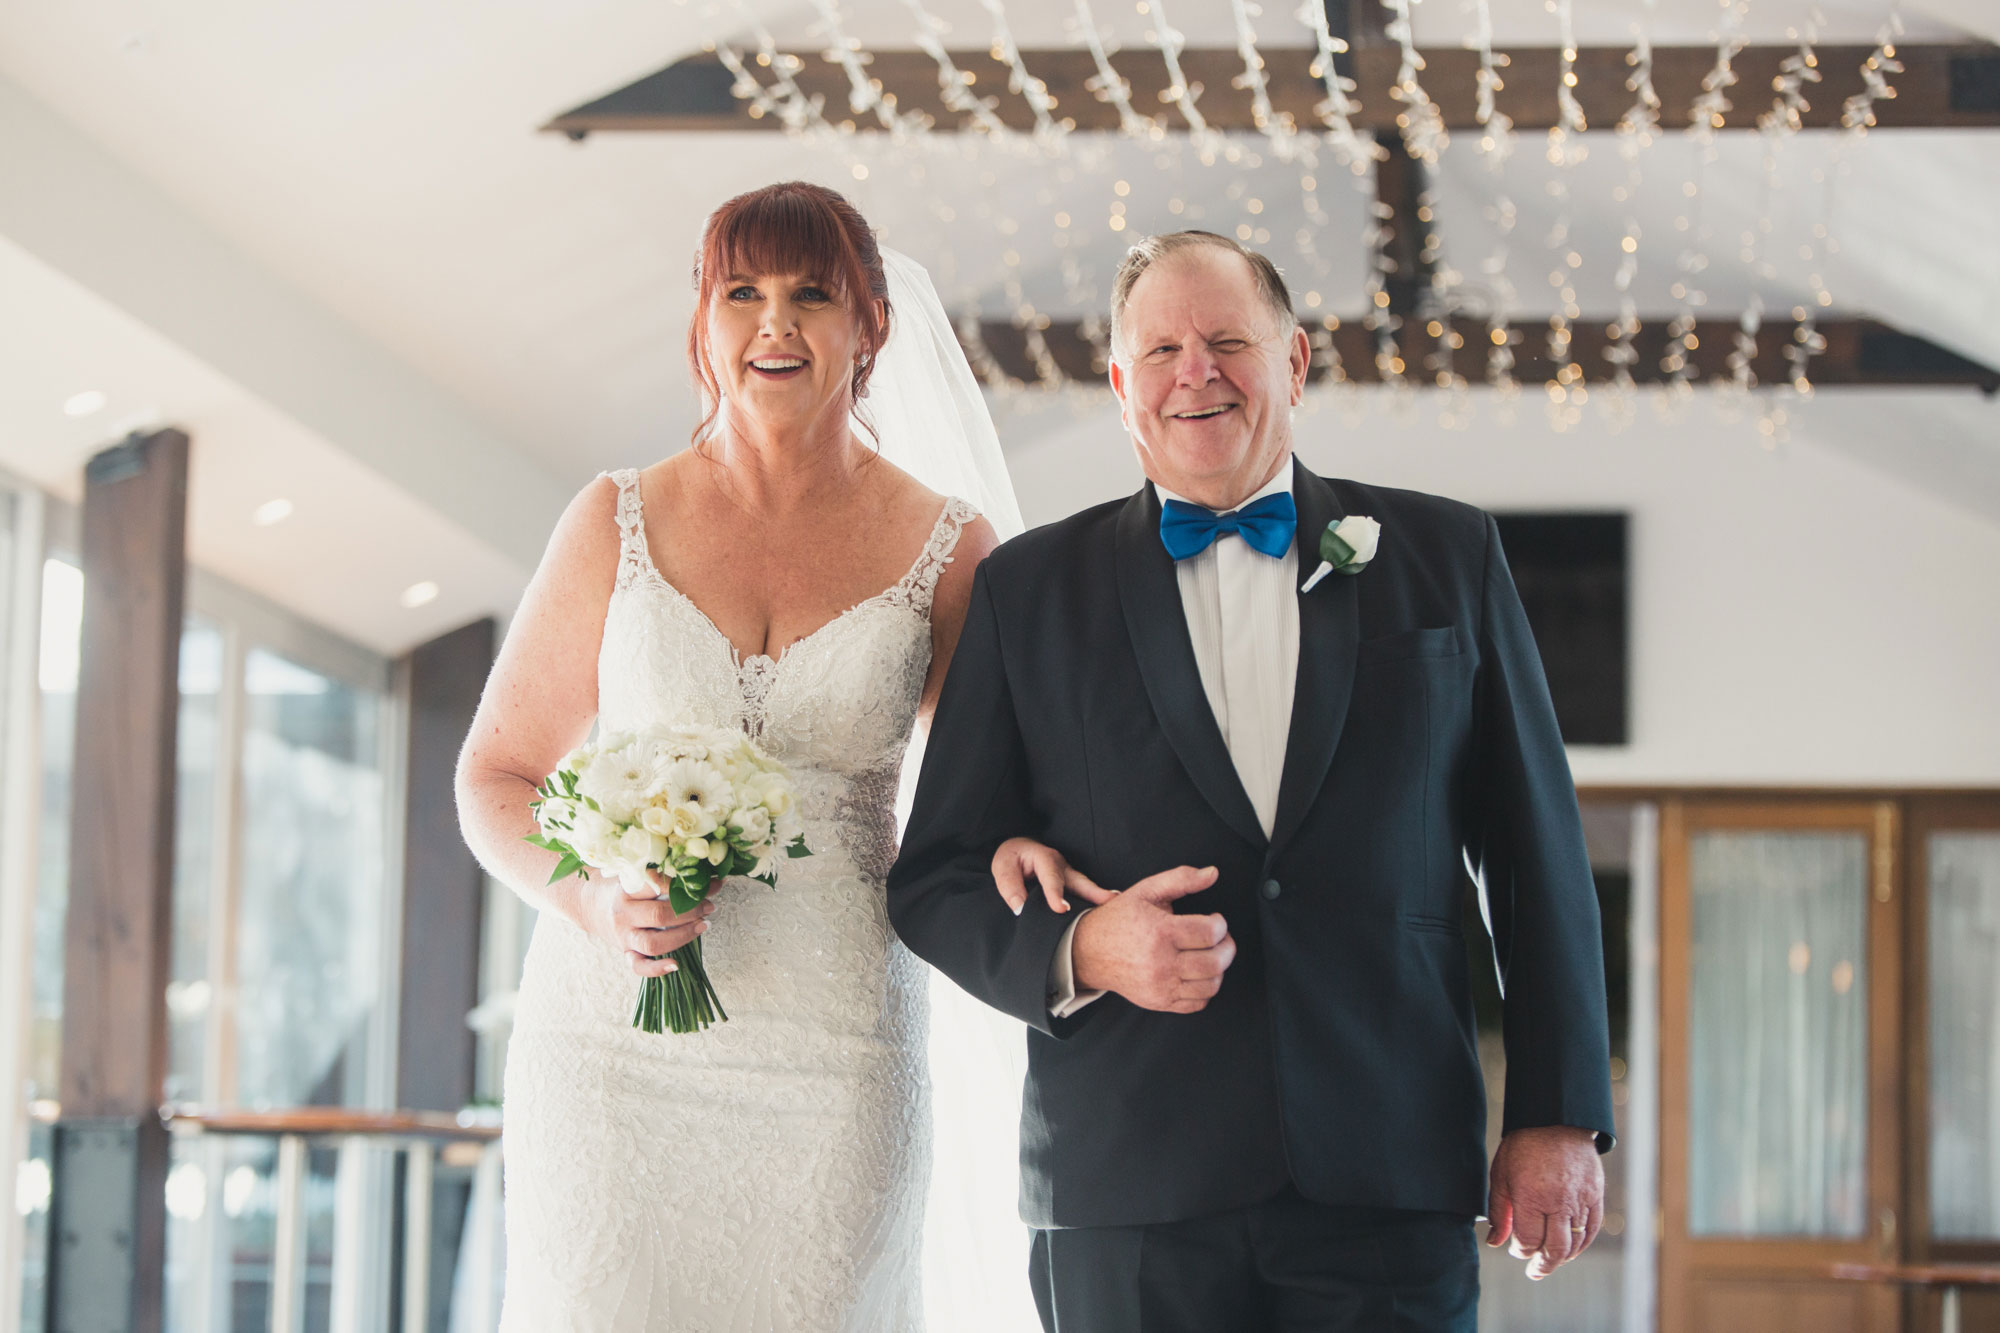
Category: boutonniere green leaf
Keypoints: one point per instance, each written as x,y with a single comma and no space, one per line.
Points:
1345,547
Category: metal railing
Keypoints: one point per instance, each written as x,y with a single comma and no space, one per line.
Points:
421,1138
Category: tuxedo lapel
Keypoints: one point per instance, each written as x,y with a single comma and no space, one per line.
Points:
1149,592
1329,632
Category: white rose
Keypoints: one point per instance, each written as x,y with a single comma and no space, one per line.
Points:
577,760
690,821
753,822
773,792
640,847
657,819
594,837
1362,533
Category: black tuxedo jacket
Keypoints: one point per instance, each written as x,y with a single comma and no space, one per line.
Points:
1339,1056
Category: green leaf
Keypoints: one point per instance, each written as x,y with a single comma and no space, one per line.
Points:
541,841
569,865
679,897
798,848
1334,550
593,805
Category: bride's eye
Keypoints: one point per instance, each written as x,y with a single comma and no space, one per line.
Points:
814,295
744,293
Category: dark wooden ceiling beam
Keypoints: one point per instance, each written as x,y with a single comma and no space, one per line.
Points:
1859,352
1941,86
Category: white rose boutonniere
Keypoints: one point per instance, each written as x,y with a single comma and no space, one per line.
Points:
1345,547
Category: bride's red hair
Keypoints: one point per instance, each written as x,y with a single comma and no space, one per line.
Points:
791,227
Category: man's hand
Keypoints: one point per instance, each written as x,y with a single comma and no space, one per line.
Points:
1137,946
1548,1196
1018,858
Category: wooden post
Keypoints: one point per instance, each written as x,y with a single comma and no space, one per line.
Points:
443,886
108,1227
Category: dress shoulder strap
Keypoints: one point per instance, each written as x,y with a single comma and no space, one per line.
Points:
633,559
920,584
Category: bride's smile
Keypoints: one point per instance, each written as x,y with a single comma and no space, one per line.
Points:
785,345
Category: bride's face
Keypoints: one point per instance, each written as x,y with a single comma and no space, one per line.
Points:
1207,376
782,348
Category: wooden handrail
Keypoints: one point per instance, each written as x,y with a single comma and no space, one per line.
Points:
330,1122
1919,1275
312,1121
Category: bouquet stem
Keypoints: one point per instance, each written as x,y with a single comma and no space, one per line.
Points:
682,1001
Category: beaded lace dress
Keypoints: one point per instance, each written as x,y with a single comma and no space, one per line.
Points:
767,1175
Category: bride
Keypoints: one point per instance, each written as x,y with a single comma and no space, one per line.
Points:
787,578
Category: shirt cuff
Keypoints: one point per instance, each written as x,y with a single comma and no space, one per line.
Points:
1064,998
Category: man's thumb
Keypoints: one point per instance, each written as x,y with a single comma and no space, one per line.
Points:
1176,883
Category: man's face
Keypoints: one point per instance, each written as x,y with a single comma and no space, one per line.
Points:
1207,376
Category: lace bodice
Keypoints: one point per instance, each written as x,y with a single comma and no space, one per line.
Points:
837,706
790,1140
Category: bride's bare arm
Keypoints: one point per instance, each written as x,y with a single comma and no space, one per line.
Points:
954,594
538,705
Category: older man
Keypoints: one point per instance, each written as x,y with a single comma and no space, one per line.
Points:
1254,1098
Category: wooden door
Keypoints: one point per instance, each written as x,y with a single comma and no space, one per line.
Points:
1951,1034
1781,949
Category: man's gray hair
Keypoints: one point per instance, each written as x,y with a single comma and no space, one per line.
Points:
1153,249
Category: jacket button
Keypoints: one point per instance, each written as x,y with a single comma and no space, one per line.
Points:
1272,889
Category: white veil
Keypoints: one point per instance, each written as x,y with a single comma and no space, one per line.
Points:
924,404
930,419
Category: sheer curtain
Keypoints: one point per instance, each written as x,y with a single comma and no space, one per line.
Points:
1779,1021
1965,1035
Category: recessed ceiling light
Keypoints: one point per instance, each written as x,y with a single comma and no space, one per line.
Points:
272,511
85,403
420,594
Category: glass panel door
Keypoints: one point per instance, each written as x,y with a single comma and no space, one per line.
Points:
1964,1002
1777,1115
1781,977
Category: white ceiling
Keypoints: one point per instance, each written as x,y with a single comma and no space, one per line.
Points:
426,291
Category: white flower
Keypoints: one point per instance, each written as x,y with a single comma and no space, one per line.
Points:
1362,533
694,782
753,822
593,836
718,852
1347,546
577,760
773,791
690,821
641,848
657,819
697,848
556,814
618,781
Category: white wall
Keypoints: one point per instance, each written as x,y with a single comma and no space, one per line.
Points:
1798,616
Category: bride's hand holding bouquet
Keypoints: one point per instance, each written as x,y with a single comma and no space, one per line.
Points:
669,812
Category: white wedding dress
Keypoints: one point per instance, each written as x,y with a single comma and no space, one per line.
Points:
767,1175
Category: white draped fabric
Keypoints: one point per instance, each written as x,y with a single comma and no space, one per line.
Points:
1965,1035
1779,998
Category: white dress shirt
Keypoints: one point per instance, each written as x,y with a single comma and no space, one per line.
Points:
1242,610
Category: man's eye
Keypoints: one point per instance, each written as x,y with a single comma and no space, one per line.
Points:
1230,345
1164,349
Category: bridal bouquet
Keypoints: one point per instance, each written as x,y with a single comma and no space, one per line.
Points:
694,803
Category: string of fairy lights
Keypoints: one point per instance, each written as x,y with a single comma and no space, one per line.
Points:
1250,183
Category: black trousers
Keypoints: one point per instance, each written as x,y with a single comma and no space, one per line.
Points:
1284,1266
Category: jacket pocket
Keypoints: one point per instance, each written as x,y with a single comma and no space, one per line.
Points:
1439,642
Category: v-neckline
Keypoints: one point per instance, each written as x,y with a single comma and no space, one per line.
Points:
765,662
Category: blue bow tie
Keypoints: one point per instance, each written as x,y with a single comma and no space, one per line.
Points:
1267,524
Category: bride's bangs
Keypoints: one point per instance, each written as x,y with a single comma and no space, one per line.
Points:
782,232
